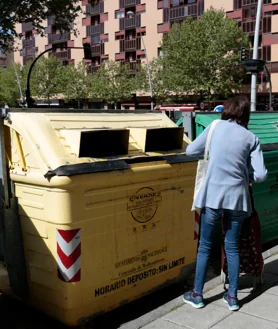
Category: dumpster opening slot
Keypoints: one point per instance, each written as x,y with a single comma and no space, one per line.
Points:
103,143
164,139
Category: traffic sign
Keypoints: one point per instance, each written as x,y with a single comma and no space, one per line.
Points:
218,108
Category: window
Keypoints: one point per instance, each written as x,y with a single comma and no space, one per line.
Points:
267,24
253,11
96,39
270,13
237,4
104,40
246,13
119,14
265,53
191,1
165,3
175,3
159,52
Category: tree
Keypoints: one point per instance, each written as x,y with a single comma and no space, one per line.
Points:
46,78
161,91
203,55
36,11
78,84
9,89
116,82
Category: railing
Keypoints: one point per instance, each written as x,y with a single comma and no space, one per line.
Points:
183,11
98,50
60,37
29,42
27,59
27,27
134,65
130,45
29,52
95,10
93,68
254,2
65,54
132,22
95,29
129,3
2,55
50,20
248,26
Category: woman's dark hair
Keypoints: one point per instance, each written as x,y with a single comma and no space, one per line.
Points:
237,109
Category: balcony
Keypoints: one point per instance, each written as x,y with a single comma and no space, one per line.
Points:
130,45
129,3
63,55
29,42
98,50
93,68
50,20
130,23
95,29
249,2
59,37
27,27
27,59
95,10
182,12
134,65
29,52
248,26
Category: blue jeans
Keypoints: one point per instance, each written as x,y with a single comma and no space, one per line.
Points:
233,223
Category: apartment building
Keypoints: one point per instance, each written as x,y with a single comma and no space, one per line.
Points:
115,28
5,60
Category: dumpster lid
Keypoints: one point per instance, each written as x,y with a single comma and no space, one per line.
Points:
52,140
264,125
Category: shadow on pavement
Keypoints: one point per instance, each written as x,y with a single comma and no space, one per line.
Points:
270,269
15,315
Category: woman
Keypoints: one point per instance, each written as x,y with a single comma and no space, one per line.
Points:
235,160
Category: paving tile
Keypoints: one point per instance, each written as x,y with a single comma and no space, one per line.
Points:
264,306
271,259
197,319
164,324
273,290
244,321
246,293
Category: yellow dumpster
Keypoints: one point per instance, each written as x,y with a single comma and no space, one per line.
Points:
104,201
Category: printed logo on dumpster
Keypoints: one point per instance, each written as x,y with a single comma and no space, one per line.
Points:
144,204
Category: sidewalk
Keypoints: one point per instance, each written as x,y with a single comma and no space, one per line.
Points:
259,308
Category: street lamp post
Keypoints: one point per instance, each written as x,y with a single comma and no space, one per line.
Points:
131,14
255,55
18,82
28,90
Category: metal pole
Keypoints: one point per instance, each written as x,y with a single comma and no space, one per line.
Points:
149,71
270,88
255,55
18,82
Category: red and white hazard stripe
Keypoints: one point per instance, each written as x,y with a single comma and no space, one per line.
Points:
197,225
69,255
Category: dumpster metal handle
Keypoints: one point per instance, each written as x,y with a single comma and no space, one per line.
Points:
20,151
